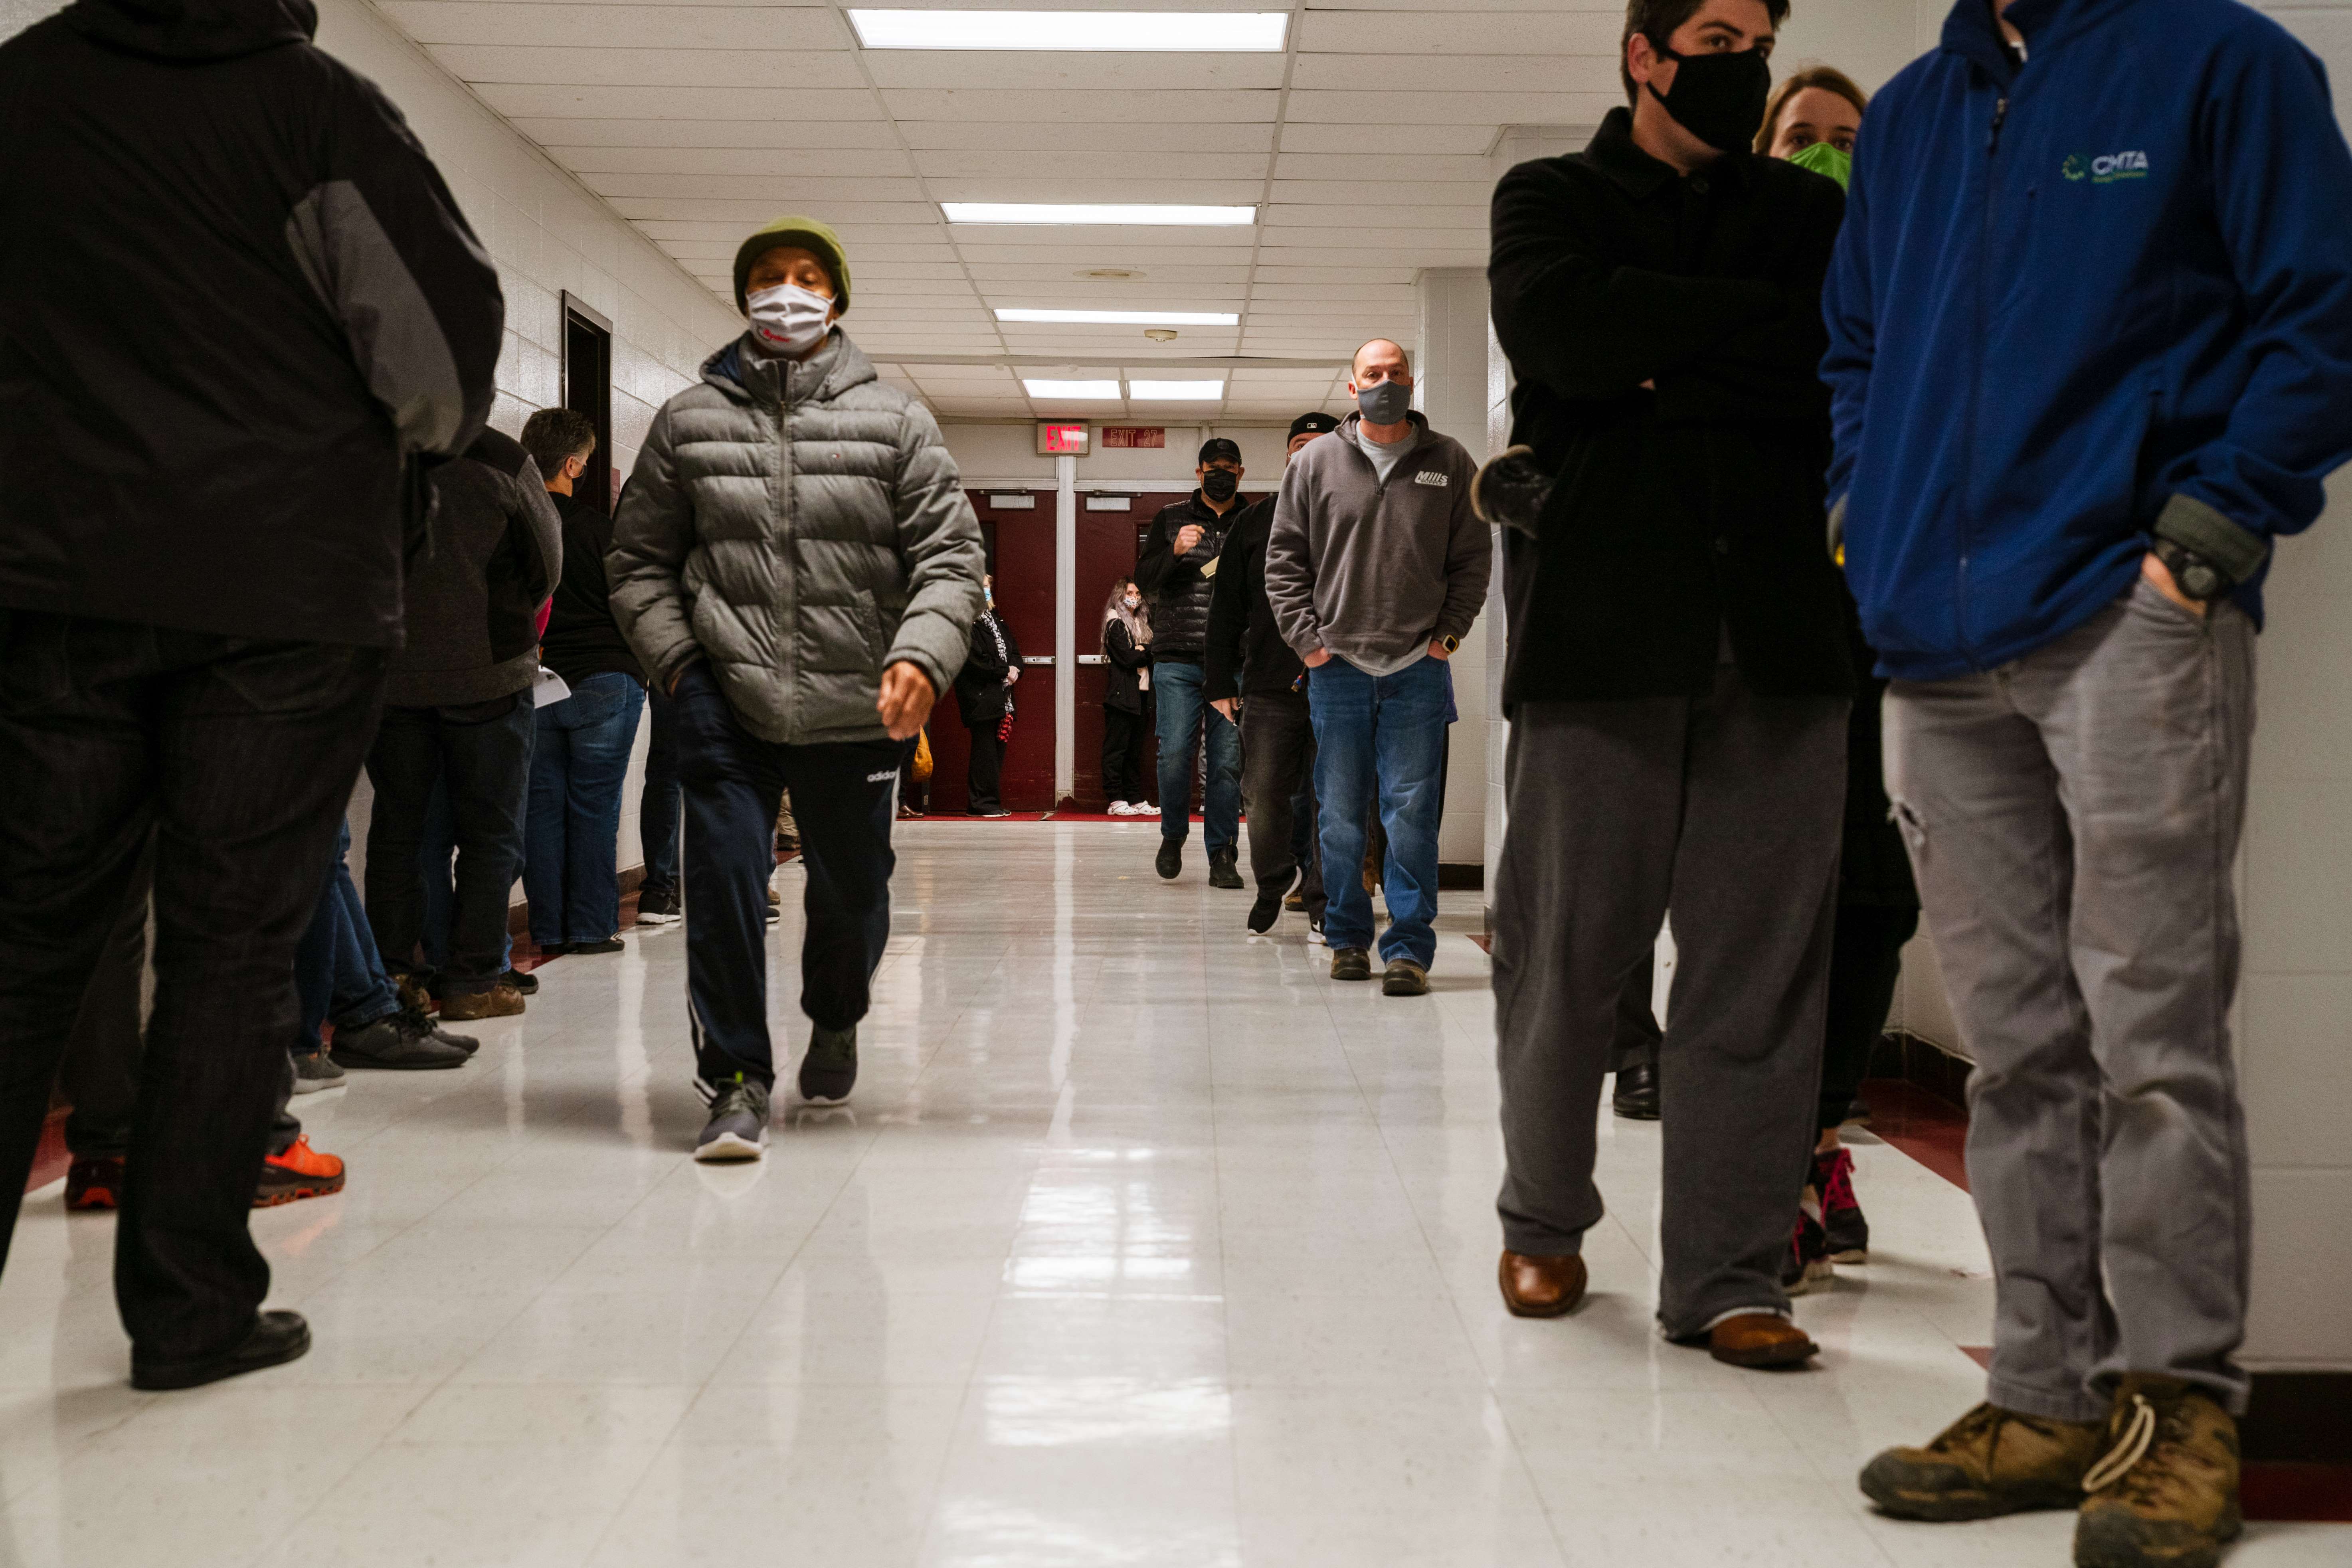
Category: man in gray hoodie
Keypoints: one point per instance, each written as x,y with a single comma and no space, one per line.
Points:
1376,567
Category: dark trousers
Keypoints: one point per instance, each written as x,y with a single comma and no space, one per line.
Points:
1865,964
1635,1043
844,797
657,802
236,756
1124,730
481,753
1726,808
1278,770
986,773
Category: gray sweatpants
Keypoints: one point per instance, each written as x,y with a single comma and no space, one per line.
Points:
1729,808
2072,816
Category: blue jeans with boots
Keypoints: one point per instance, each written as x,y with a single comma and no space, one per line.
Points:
1380,738
1184,715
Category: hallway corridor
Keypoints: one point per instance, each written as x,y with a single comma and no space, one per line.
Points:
1143,1243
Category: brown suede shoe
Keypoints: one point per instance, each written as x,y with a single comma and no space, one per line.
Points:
2165,1495
500,1001
1990,1461
1759,1339
1538,1286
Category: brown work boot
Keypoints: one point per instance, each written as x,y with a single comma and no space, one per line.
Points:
2165,1494
1541,1285
499,1001
1990,1461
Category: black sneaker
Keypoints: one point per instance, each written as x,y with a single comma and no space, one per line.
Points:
588,948
526,983
1807,1268
315,1070
417,1019
1224,869
1171,860
738,1128
1265,911
1842,1217
274,1339
658,908
830,1068
1350,964
399,1043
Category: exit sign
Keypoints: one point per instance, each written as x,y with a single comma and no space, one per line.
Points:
1060,440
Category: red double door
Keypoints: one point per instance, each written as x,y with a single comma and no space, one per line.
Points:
1021,555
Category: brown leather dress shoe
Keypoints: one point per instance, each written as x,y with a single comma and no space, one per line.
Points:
1541,1287
1759,1339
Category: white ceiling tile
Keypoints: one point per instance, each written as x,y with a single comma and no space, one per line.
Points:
560,64
973,105
861,163
830,193
1492,110
754,212
1355,135
1049,184
518,100
536,26
1367,165
1369,192
1098,165
809,136
1116,134
1462,30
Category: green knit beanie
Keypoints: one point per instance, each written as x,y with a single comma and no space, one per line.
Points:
794,229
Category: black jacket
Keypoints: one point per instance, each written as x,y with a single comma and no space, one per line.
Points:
1245,652
1695,508
1124,666
980,692
582,638
1179,588
234,296
473,604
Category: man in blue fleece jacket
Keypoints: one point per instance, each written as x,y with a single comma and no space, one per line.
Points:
2091,347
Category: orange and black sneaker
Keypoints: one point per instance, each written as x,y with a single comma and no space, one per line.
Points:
94,1182
300,1173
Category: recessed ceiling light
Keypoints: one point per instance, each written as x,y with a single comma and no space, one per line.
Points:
1176,391
1185,32
1097,213
1111,273
1130,318
1071,391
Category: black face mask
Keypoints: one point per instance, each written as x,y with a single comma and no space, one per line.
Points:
1219,485
1719,98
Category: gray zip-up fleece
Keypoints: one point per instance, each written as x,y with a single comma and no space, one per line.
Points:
1376,572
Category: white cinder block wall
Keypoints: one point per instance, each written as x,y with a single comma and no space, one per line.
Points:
547,234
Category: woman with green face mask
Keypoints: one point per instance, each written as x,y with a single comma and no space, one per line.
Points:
1812,119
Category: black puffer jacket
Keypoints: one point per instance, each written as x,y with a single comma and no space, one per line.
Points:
982,695
1180,586
473,606
1247,652
235,296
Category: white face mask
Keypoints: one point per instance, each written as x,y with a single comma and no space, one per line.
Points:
1133,603
788,318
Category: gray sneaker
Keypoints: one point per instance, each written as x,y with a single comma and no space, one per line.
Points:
399,1043
315,1070
738,1128
830,1068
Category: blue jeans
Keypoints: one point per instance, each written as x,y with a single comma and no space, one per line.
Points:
578,764
338,973
658,803
1380,737
1183,716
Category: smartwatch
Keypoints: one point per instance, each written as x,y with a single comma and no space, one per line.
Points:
2193,575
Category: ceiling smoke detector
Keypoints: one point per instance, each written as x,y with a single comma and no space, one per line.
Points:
1110,274
1160,334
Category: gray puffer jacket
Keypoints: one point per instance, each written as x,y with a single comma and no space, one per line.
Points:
801,526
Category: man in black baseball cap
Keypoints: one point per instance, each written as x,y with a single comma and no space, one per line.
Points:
1247,658
1178,570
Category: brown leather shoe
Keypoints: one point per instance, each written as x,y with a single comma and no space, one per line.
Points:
500,1001
1536,1286
1759,1339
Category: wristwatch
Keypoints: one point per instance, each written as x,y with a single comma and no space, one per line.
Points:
2195,576
1451,645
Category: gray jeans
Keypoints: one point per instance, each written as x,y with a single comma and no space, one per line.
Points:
1729,808
2072,817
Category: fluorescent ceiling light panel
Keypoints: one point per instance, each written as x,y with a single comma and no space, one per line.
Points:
1173,32
1097,213
1176,391
1071,391
1130,318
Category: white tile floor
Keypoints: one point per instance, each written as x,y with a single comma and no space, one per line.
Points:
1144,1243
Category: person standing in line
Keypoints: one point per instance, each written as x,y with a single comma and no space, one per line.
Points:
1253,679
1177,571
580,757
2110,244
1376,569
983,692
459,710
1127,698
1678,679
806,624
239,311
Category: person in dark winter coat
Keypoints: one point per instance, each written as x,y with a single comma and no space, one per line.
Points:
238,315
984,697
1177,570
1127,697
